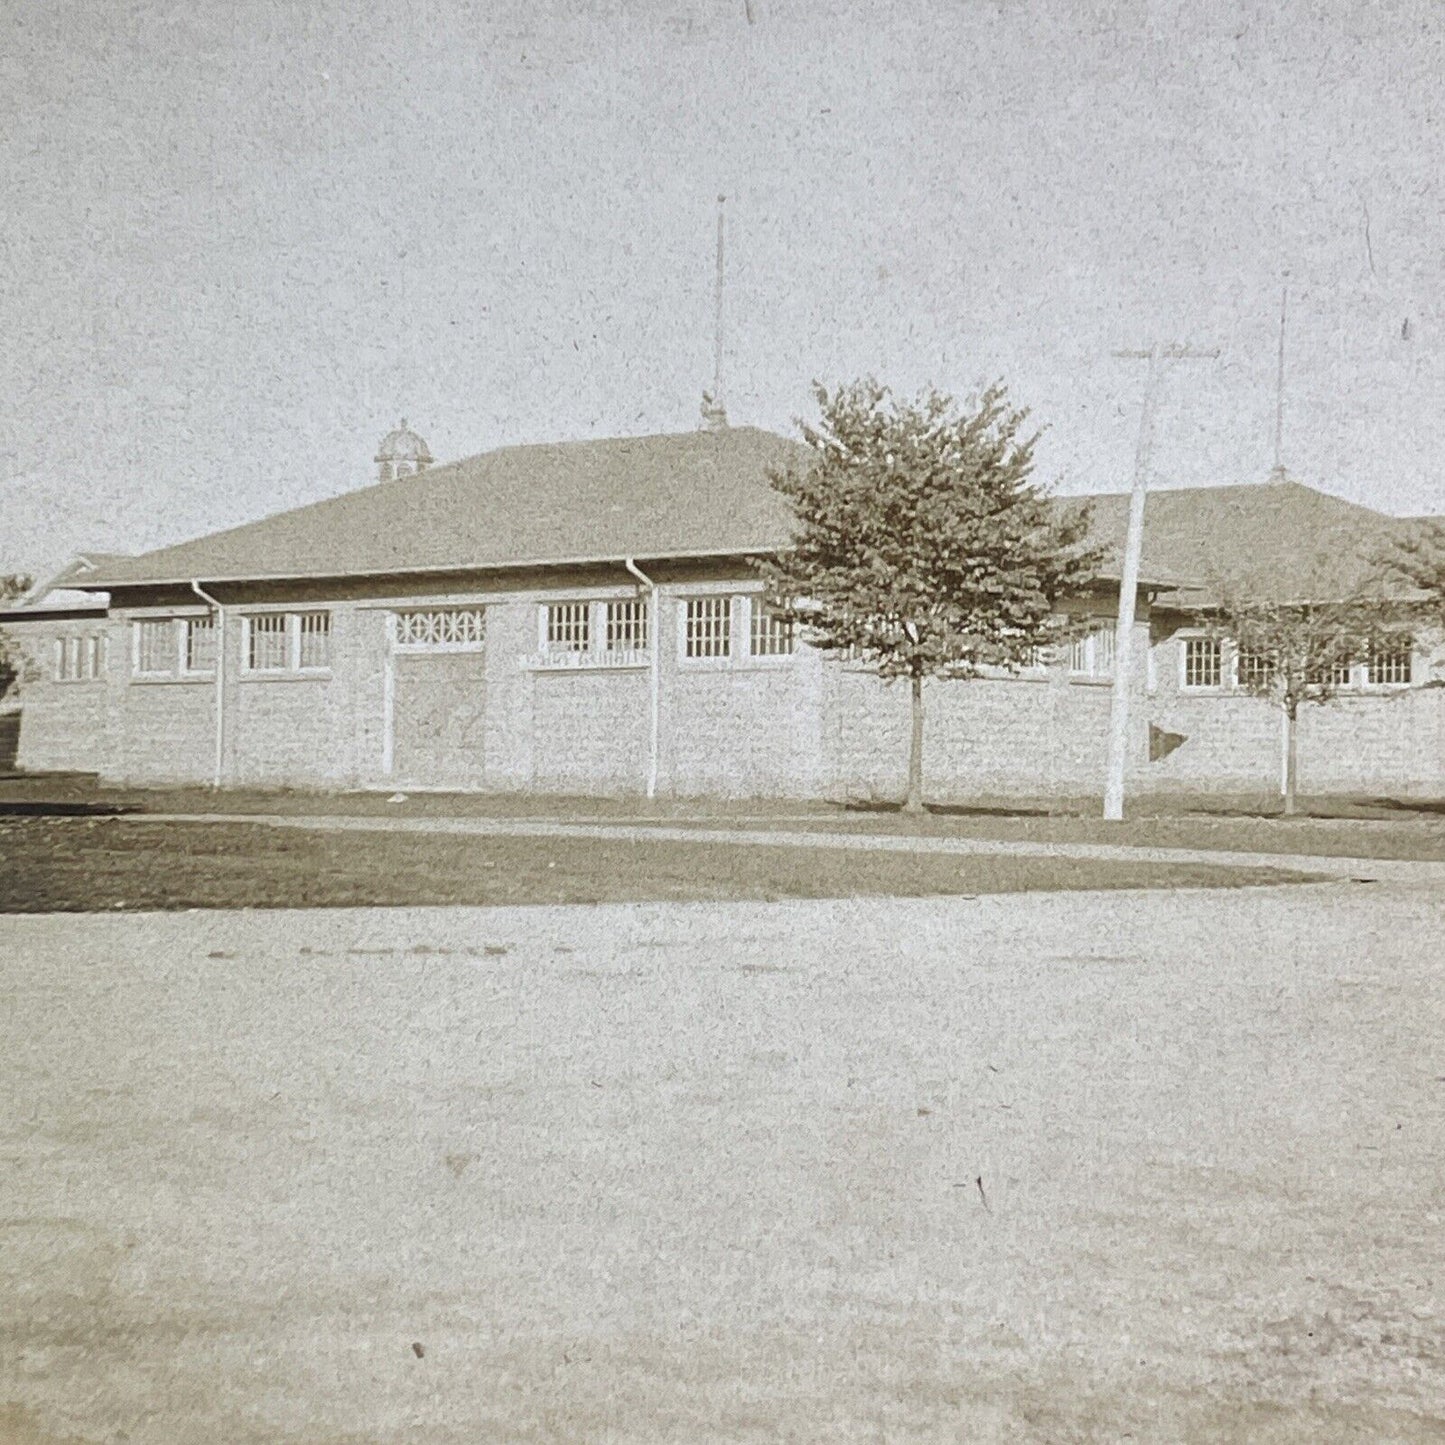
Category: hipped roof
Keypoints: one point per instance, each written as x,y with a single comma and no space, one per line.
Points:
706,494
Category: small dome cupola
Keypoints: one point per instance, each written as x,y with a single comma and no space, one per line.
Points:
402,453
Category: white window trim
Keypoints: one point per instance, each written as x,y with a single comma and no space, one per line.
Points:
1364,684
183,626
596,656
735,635
410,649
292,666
137,627
80,679
748,658
1204,689
1091,674
740,656
177,671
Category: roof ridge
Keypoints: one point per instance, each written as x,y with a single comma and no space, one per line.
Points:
1289,484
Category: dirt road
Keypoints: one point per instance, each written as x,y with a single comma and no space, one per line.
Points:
1071,1167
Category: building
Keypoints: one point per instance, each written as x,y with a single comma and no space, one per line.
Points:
585,618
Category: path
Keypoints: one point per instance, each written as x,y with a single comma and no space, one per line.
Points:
1429,874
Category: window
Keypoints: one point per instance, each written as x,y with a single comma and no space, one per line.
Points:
315,639
587,635
175,647
1202,657
155,646
627,625
288,642
770,633
708,627
442,628
267,649
1389,666
79,659
1093,654
569,626
1333,674
1253,669
201,644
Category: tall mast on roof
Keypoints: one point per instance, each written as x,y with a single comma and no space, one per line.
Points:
714,413
1277,472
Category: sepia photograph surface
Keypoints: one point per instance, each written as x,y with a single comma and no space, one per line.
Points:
722,721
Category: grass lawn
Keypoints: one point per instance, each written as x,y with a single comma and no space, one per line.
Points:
1335,829
80,864
1334,826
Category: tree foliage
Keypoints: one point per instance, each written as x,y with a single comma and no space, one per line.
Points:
1417,559
923,548
1297,653
12,588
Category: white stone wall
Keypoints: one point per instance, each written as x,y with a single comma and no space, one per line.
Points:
1380,740
1025,734
802,726
63,725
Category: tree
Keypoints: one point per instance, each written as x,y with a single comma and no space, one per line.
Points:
1417,559
1299,653
11,660
922,547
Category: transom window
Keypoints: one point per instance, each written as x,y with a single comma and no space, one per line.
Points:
708,627
770,634
569,626
288,641
627,625
155,647
731,628
182,647
1389,666
442,628
314,640
1253,669
1093,654
201,644
1203,657
1334,674
79,659
614,632
267,643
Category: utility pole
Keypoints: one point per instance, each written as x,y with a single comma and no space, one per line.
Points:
1159,359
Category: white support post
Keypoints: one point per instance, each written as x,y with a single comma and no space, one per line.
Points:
220,758
388,699
654,676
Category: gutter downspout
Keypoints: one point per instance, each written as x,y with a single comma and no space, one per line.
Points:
654,629
220,679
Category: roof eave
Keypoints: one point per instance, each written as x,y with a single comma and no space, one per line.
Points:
106,584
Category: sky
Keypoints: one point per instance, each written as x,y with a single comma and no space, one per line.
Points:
240,240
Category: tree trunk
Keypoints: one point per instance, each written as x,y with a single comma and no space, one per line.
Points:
913,802
1291,760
